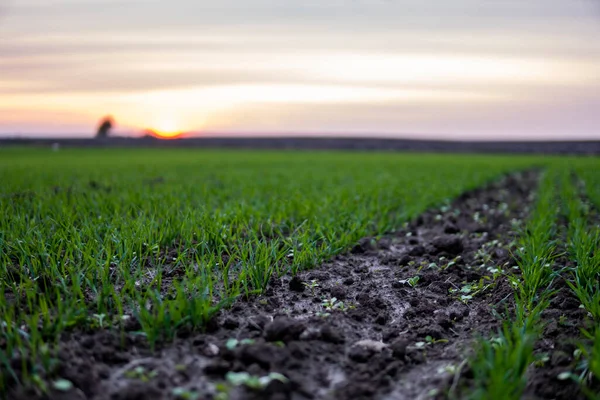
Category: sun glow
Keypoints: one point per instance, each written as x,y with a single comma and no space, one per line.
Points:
167,129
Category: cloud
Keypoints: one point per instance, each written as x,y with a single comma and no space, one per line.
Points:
352,65
358,15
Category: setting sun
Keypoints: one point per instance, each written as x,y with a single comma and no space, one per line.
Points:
167,130
165,134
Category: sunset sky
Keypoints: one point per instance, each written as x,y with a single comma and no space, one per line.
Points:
460,69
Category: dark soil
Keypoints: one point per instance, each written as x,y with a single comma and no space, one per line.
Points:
394,337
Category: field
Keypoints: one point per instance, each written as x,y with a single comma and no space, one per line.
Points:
195,274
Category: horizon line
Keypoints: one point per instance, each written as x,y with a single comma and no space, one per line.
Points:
196,135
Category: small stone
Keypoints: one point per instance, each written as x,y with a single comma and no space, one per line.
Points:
372,345
211,350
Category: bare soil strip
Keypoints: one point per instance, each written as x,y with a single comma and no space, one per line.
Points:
392,319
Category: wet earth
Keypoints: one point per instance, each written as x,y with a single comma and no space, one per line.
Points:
394,318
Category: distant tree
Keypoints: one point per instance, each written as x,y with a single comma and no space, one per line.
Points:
104,128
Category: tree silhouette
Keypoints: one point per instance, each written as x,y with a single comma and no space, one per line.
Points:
104,128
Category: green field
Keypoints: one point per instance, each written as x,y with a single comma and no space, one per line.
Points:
90,238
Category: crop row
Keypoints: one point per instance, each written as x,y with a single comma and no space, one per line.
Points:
503,363
158,241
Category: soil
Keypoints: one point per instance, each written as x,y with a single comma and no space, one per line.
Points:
387,335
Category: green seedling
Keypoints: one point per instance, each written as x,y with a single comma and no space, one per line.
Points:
541,360
252,381
468,291
484,256
412,282
185,394
447,369
38,383
140,373
333,304
563,320
99,319
587,364
62,385
222,390
233,343
451,262
429,341
312,285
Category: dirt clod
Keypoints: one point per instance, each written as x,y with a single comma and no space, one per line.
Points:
451,244
284,329
296,285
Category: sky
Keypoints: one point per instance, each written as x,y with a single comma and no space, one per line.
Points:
428,69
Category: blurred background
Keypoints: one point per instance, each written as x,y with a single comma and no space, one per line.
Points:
426,69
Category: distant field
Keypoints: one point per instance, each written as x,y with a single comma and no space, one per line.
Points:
156,241
590,147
